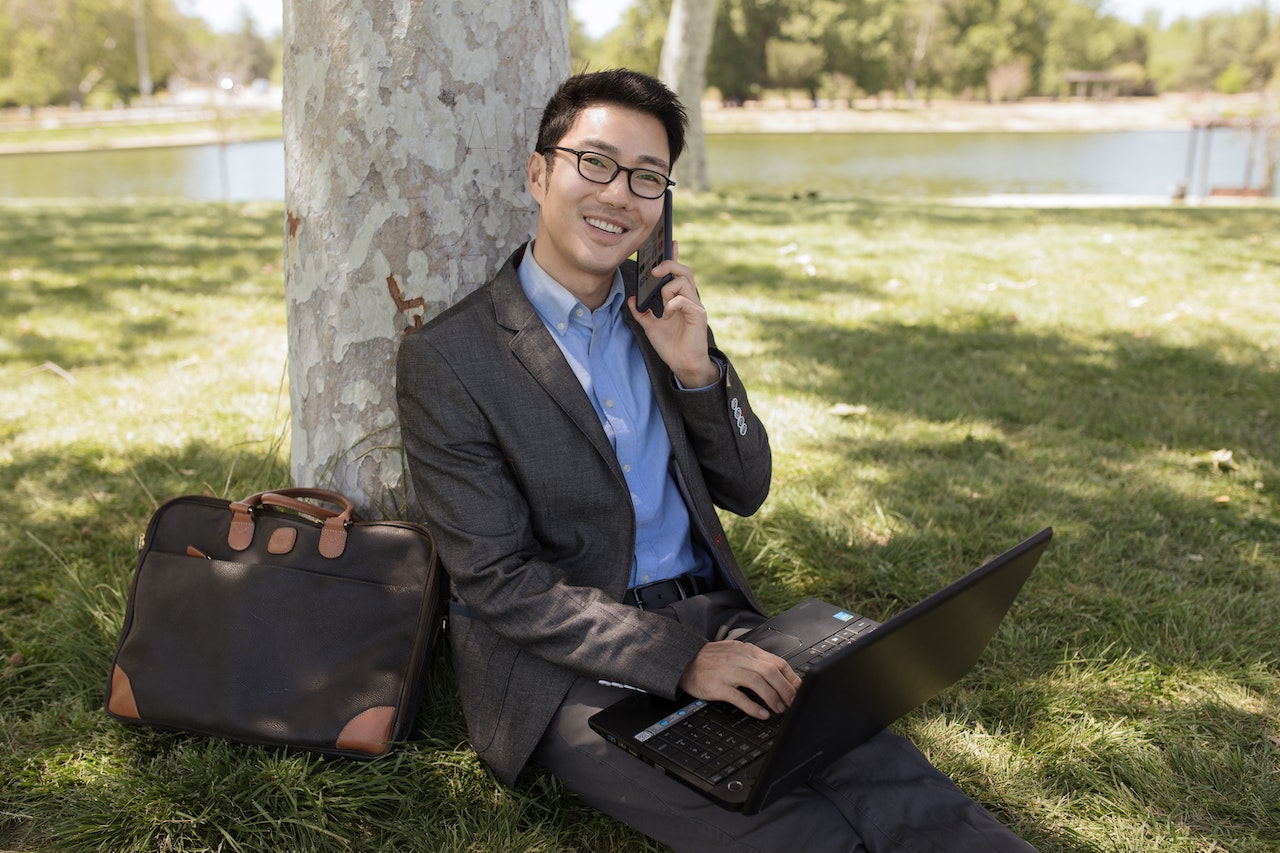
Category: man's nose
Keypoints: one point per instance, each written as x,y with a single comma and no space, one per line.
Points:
618,191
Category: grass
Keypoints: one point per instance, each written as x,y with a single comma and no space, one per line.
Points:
938,382
213,124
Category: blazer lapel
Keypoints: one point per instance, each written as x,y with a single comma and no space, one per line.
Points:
533,345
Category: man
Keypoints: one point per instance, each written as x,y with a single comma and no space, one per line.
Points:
568,452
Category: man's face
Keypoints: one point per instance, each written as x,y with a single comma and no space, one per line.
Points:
585,229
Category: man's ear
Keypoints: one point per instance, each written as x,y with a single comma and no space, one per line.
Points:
537,177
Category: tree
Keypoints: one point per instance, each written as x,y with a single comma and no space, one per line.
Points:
636,42
246,55
407,129
739,48
921,24
91,51
683,67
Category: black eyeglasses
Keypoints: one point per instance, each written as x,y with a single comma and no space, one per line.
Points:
600,169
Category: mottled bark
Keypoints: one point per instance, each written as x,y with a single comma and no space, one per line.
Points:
407,127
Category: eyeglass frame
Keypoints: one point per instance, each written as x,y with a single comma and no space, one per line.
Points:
630,170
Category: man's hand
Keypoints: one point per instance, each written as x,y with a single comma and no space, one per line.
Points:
722,670
680,334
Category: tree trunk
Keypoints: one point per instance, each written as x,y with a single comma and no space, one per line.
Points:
928,16
407,126
683,67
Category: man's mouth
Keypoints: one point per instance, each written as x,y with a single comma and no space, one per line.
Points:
607,227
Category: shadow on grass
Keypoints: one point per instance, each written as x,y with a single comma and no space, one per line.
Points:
1057,435
126,275
75,512
1135,393
82,780
1149,578
1162,569
860,214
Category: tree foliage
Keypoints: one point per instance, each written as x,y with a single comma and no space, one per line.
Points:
979,48
86,51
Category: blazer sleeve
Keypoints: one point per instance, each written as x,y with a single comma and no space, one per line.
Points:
562,607
728,443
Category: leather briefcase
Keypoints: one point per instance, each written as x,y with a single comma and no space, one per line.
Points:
278,621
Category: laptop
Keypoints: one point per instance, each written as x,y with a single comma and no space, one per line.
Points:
857,676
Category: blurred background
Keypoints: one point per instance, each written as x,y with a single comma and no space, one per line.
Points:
1176,99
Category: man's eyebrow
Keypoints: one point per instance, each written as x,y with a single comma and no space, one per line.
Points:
613,151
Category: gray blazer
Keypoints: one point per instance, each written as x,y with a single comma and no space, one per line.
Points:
517,480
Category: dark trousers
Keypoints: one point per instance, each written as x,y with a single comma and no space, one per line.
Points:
882,796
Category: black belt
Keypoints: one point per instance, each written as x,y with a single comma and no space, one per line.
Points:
651,596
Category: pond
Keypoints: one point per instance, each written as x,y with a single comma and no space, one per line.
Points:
1133,163
1146,163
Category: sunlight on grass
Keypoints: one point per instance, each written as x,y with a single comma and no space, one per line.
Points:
937,382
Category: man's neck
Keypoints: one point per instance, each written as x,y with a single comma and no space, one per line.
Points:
589,289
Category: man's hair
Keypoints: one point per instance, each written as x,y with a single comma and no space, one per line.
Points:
617,87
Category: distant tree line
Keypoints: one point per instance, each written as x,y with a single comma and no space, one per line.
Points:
989,49
87,52
106,52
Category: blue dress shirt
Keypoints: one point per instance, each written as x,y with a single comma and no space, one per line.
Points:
604,355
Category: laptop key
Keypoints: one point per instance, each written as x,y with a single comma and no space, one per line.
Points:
686,760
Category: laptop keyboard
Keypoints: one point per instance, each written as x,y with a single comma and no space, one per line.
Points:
714,740
804,661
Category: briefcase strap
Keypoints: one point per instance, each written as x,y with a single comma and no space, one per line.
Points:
333,533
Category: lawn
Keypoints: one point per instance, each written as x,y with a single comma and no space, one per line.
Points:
938,383
119,130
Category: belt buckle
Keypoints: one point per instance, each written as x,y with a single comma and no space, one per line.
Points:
678,582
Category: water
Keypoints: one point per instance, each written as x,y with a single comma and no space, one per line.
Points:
242,171
1147,163
1142,163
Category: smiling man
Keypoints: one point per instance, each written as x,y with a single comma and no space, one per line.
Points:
569,453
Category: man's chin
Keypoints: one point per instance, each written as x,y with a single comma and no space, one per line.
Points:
603,261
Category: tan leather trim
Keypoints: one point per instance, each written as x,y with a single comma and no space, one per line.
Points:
240,536
369,731
281,541
122,703
333,538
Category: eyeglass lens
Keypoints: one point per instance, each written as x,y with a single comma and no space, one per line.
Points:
601,170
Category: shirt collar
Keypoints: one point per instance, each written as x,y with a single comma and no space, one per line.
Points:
554,304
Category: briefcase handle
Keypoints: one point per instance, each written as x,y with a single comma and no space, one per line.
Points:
289,499
333,533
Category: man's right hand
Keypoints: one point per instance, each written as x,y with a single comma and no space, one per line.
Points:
723,670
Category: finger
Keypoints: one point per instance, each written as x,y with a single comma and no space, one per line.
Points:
680,293
764,683
774,688
749,701
678,272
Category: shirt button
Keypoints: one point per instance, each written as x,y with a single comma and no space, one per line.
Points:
578,312
608,404
626,469
560,326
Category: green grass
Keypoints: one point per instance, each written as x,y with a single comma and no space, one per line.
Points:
938,383
240,125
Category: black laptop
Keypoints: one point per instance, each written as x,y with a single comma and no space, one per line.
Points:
858,676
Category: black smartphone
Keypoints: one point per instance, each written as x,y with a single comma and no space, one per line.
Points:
655,249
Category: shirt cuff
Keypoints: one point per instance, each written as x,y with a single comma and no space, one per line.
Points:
719,363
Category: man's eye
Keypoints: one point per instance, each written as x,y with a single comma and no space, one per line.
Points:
651,177
596,162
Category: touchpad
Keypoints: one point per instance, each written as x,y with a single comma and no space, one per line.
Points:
775,641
